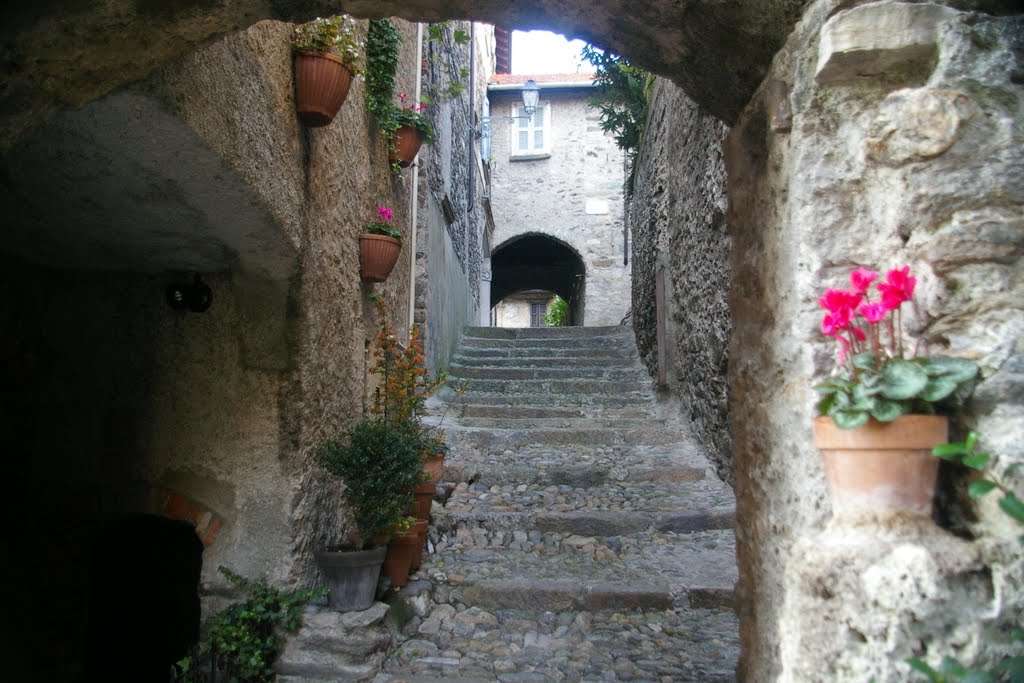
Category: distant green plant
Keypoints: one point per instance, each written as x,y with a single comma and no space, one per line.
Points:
558,313
333,34
245,639
1010,668
622,102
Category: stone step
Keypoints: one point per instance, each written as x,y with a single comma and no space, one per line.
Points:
560,570
520,646
460,373
445,397
688,491
566,463
522,412
335,646
483,472
565,385
574,354
547,423
500,524
545,332
495,439
536,345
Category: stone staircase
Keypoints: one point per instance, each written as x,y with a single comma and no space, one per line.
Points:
578,536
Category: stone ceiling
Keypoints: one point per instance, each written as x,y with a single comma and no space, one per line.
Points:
59,54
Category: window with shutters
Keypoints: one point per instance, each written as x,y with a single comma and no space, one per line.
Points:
537,311
531,135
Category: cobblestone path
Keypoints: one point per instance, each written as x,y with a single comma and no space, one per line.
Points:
581,538
577,536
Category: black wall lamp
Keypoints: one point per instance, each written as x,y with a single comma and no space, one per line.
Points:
195,297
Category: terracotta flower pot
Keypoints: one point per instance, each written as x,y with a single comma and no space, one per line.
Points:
406,142
377,256
424,494
420,528
883,469
322,83
434,466
398,560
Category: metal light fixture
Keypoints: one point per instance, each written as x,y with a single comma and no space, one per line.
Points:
531,93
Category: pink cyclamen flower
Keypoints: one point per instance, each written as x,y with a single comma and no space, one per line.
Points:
861,279
898,287
840,301
384,213
873,313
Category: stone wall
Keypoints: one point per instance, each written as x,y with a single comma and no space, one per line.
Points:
574,196
885,134
451,219
215,416
677,224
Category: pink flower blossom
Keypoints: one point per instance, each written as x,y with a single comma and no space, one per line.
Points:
861,279
898,287
840,303
873,313
384,213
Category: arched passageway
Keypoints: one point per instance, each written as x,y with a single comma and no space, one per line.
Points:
535,261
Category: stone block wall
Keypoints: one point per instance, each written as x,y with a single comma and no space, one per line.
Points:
677,223
574,195
885,134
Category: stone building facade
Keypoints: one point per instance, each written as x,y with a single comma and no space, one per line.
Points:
560,177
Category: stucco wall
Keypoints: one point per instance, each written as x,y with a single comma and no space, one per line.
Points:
905,148
222,410
677,223
549,196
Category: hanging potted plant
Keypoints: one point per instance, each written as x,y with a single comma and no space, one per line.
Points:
379,466
411,130
326,60
379,245
878,416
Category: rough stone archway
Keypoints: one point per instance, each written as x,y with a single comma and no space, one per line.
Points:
62,54
537,261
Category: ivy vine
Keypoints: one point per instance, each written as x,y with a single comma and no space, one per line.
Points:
383,43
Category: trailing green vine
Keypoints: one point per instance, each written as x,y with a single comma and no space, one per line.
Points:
447,39
622,101
383,43
244,640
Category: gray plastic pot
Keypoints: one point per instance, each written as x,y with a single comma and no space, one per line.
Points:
351,576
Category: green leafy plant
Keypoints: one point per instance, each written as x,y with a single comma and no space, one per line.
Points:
445,41
622,102
333,34
245,639
1010,668
379,463
383,44
875,377
383,226
558,313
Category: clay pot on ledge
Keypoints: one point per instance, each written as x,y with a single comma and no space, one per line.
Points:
882,470
377,256
420,527
322,82
424,494
434,467
405,144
